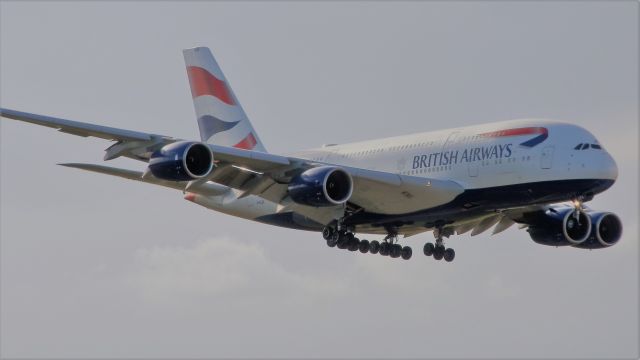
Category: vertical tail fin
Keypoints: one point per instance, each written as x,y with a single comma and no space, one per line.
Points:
221,119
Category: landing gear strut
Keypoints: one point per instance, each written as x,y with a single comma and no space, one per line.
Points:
438,251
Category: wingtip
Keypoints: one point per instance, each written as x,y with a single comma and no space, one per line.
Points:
73,165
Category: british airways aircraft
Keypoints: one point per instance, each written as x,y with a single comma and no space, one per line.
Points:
535,173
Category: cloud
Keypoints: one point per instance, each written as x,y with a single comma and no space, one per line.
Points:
214,268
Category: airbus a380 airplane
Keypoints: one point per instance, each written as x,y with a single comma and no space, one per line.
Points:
449,181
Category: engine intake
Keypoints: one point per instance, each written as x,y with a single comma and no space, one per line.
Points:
606,230
182,161
321,186
561,227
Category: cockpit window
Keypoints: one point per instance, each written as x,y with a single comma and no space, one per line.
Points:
585,146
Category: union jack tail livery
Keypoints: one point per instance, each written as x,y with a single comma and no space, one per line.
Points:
221,119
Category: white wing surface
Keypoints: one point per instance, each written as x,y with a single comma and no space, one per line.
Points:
255,172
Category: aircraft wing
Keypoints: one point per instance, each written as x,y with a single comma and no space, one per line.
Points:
76,127
258,173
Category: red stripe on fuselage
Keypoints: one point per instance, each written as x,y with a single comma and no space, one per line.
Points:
247,143
516,132
204,83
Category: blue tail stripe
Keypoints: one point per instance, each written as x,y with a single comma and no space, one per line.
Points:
210,125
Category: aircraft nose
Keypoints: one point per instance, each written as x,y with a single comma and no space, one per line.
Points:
610,168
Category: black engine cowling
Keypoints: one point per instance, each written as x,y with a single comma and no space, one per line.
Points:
182,161
321,186
606,230
561,227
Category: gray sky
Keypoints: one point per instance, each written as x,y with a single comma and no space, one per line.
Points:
93,266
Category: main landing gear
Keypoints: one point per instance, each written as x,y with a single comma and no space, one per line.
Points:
343,239
438,251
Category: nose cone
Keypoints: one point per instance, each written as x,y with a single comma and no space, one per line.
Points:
610,168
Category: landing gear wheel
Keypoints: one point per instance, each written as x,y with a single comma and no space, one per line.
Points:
331,242
428,249
353,244
363,246
384,249
374,247
406,253
395,251
327,233
342,240
438,253
449,255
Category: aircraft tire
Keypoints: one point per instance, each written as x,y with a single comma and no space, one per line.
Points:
406,253
428,249
374,247
364,246
449,255
327,233
438,253
384,249
395,251
342,241
353,244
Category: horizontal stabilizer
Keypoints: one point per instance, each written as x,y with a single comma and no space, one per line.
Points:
209,189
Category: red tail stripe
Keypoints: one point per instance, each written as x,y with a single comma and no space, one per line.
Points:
203,83
516,132
247,143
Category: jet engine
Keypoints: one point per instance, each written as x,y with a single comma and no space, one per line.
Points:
182,161
561,227
606,230
321,186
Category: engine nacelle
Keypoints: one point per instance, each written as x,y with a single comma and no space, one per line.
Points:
321,186
561,227
182,161
606,230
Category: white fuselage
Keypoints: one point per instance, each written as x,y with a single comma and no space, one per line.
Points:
488,162
476,157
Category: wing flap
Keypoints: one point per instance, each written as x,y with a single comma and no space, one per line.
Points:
485,224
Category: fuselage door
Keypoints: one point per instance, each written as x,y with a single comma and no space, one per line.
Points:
546,158
451,140
473,169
